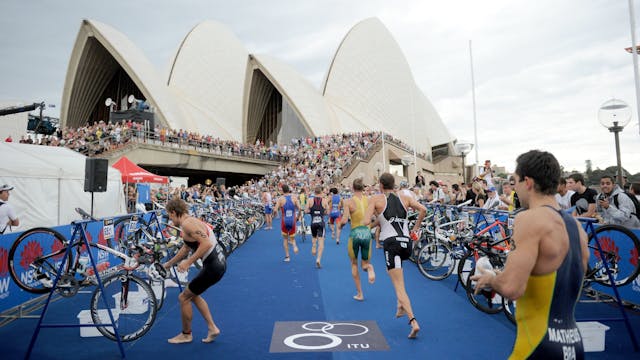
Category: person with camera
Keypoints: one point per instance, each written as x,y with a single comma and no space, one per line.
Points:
614,205
487,173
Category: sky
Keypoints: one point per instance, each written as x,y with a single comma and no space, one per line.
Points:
542,68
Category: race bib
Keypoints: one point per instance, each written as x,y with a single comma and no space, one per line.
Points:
107,229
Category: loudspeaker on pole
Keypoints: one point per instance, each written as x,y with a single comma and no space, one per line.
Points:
95,175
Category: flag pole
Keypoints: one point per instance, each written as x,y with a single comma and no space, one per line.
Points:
473,97
634,53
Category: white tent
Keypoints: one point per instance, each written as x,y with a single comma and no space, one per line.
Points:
49,184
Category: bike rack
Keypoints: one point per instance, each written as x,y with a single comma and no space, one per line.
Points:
591,229
154,217
78,228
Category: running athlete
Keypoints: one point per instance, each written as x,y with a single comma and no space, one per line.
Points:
546,269
289,206
201,242
391,211
360,236
302,197
335,204
268,210
317,207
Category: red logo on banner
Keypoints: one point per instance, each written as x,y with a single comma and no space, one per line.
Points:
608,246
89,239
634,256
4,262
32,251
101,239
57,245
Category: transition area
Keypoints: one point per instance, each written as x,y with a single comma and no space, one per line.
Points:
263,305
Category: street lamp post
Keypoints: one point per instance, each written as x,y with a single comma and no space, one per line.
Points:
463,148
378,168
615,114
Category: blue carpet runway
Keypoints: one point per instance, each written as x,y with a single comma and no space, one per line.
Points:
259,289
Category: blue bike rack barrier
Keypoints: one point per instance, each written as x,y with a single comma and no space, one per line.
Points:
78,228
591,229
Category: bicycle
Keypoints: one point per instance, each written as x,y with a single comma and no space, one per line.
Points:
487,300
494,232
62,268
438,252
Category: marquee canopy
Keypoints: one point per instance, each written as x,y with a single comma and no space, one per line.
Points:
132,173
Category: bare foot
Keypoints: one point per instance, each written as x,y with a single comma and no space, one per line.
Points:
313,250
295,249
181,338
401,312
211,335
414,328
358,297
372,275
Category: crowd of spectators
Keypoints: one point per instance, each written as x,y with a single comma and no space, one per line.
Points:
308,162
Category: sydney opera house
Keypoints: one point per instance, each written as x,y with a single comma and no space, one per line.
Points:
215,86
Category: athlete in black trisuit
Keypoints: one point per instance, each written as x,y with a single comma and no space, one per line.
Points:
201,242
391,210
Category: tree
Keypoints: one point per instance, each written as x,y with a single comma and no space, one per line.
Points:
589,171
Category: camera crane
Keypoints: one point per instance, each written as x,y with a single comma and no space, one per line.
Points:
41,127
20,109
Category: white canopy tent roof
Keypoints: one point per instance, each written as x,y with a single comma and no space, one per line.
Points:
49,184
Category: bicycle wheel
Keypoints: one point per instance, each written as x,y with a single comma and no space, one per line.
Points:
509,308
435,261
35,257
416,248
465,265
159,291
487,301
126,231
621,248
132,303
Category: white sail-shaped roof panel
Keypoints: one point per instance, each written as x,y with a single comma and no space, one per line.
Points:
370,81
435,129
130,58
300,93
207,74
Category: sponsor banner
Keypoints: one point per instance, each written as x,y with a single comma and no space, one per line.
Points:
315,336
625,251
11,295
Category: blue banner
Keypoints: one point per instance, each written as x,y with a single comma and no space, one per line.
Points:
10,294
144,193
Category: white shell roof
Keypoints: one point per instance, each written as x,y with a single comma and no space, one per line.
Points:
135,63
207,74
300,93
370,86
